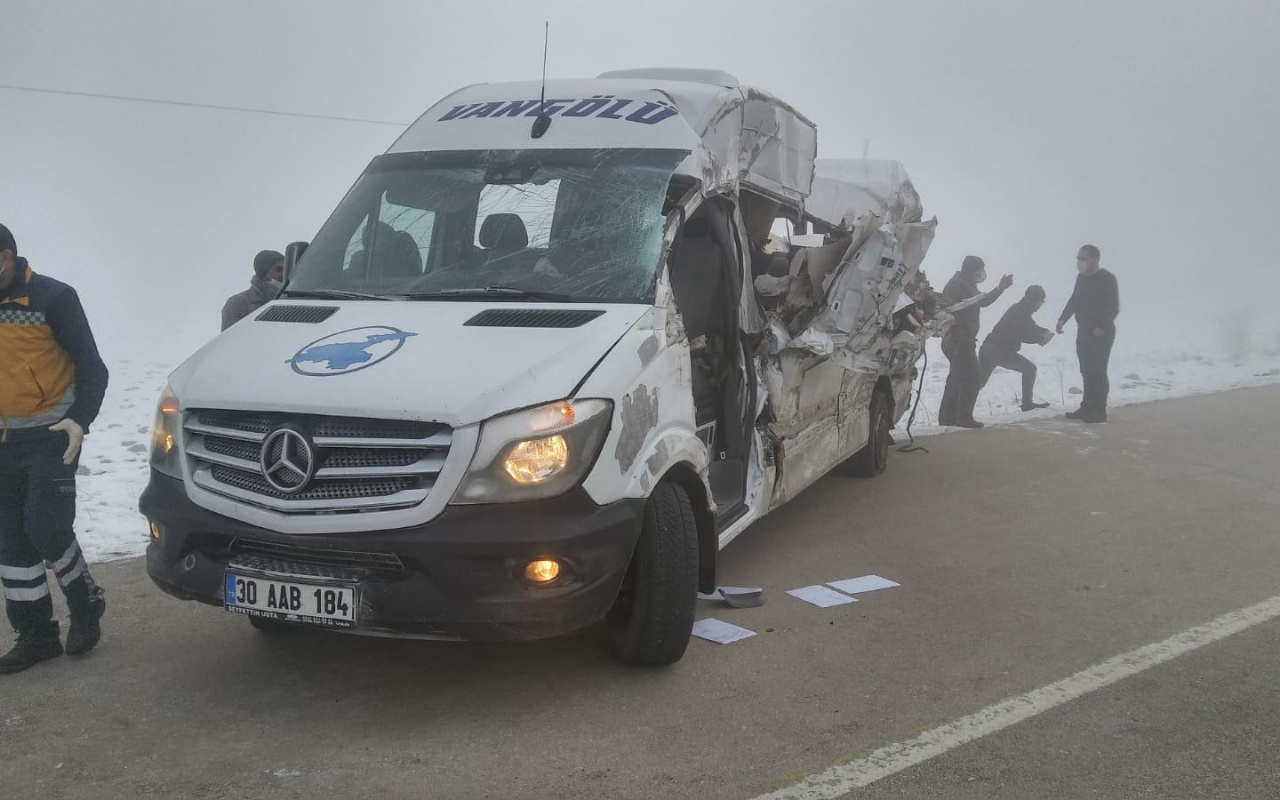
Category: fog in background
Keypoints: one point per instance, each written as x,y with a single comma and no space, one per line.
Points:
1151,129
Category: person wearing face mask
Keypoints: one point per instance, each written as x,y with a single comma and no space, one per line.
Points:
965,300
268,277
52,381
1095,304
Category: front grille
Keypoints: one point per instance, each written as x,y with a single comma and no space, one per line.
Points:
320,490
317,556
359,464
338,427
374,428
372,457
232,447
296,569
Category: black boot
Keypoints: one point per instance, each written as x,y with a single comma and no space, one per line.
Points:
85,631
30,650
1033,406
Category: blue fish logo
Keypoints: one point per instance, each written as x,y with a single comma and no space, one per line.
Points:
349,351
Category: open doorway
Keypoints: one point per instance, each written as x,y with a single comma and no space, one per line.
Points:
706,277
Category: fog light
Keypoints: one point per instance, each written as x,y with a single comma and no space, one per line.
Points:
543,570
155,532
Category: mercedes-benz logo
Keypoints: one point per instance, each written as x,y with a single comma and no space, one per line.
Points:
288,460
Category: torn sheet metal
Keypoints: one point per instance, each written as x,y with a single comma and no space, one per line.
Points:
846,298
846,190
845,317
748,136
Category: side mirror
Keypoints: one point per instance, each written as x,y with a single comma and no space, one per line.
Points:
291,255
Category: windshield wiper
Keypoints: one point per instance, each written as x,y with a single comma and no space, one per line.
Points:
489,292
332,294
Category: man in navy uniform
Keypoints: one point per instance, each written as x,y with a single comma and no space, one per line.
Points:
51,385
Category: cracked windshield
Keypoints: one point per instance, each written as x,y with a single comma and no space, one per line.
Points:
564,225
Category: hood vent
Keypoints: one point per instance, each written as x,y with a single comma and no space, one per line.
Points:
306,315
533,318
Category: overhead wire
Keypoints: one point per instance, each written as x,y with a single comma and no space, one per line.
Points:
206,106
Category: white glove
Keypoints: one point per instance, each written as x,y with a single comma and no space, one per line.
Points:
75,437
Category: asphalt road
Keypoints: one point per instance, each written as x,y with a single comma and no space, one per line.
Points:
1025,554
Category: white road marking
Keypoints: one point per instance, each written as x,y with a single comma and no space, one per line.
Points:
844,778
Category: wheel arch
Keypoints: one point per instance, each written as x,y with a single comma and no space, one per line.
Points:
883,384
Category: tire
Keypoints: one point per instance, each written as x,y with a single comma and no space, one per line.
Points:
272,626
872,459
652,619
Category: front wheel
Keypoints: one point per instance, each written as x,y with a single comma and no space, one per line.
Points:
872,459
652,619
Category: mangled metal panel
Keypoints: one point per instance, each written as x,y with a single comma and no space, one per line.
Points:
778,147
841,300
845,190
749,135
846,315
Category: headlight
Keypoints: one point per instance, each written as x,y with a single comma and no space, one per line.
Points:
166,455
536,453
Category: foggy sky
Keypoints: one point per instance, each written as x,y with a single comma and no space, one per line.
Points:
1151,129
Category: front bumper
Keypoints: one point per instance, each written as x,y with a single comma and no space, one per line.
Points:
458,576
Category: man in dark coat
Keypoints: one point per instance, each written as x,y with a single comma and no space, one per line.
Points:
1016,328
962,298
52,381
1095,304
268,272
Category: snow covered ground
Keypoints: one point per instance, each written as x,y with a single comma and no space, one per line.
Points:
1137,376
114,466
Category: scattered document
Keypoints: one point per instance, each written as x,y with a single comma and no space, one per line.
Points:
821,596
867,583
719,631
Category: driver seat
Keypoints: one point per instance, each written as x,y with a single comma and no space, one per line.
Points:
503,234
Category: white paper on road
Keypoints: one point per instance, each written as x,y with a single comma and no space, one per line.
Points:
867,583
727,590
821,596
719,631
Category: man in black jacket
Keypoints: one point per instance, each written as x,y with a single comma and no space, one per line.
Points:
960,344
1001,347
51,385
1095,304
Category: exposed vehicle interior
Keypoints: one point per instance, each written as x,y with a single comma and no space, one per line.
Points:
707,283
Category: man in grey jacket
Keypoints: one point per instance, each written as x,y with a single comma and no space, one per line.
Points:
268,273
963,298
1016,328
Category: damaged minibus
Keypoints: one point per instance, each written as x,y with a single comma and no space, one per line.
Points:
542,362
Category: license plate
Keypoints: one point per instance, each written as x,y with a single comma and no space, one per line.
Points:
316,604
